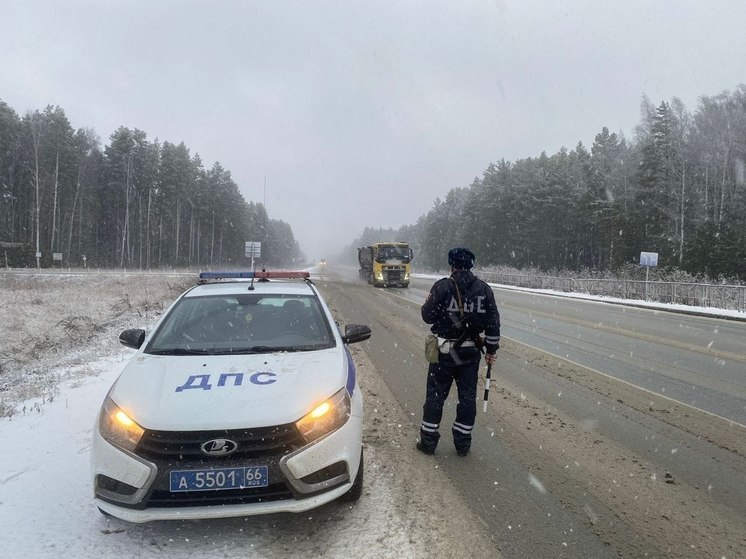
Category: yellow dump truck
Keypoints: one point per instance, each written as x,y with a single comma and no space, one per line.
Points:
385,264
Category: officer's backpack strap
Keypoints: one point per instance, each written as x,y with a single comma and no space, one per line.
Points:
459,300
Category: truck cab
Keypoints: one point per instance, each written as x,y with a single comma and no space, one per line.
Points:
386,264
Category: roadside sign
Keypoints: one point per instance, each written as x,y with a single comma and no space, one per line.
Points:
38,254
57,256
649,259
253,249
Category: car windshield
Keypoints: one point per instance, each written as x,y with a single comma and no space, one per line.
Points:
239,324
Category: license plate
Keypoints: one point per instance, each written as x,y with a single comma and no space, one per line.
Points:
220,478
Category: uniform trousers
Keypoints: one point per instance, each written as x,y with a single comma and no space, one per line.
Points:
462,366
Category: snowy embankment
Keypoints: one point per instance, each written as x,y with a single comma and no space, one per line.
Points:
46,505
670,307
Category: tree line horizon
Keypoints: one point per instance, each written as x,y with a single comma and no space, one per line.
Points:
131,203
678,189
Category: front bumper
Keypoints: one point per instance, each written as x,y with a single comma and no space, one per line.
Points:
135,489
222,511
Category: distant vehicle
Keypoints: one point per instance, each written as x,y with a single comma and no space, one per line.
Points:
385,264
243,400
322,263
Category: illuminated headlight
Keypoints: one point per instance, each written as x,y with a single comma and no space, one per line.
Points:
117,427
406,275
326,417
379,275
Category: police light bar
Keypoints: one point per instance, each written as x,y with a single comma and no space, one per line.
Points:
275,274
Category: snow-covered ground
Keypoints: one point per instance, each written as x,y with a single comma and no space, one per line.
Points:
46,507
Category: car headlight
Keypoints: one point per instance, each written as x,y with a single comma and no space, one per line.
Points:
326,417
117,427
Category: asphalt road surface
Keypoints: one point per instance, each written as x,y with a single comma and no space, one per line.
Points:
610,431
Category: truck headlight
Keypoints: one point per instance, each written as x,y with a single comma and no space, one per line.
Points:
379,275
326,417
117,427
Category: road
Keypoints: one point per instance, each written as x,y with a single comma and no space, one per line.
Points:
695,360
612,432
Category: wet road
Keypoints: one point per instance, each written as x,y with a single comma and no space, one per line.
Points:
528,498
695,360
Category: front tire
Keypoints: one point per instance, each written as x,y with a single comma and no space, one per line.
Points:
357,487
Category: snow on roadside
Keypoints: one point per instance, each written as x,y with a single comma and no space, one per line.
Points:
46,506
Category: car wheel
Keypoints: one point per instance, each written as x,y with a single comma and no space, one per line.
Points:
357,487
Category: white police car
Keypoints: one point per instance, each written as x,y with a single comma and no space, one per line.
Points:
243,400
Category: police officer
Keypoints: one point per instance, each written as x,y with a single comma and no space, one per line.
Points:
460,308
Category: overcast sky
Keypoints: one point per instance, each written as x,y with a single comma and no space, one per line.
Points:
361,113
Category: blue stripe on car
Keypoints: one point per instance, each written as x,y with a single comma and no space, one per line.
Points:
350,372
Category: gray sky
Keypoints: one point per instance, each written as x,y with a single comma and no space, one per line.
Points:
363,112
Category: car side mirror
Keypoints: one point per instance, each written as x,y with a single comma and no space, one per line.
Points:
133,338
356,333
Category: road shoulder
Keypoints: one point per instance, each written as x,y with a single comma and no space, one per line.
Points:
423,495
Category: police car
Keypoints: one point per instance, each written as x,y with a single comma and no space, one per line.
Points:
243,400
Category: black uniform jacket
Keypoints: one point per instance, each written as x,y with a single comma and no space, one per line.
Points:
441,309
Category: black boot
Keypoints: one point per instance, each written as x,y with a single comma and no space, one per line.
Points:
425,449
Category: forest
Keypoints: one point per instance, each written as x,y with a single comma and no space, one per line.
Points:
132,203
677,189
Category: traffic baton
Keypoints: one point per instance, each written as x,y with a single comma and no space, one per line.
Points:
487,386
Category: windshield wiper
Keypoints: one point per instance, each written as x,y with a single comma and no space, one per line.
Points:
180,351
244,350
263,349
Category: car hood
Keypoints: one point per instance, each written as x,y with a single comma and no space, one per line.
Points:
193,393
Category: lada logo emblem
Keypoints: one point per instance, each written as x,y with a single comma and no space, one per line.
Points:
219,447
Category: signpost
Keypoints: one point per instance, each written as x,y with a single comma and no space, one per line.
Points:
648,259
253,250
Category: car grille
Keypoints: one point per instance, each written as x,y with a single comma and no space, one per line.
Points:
185,446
